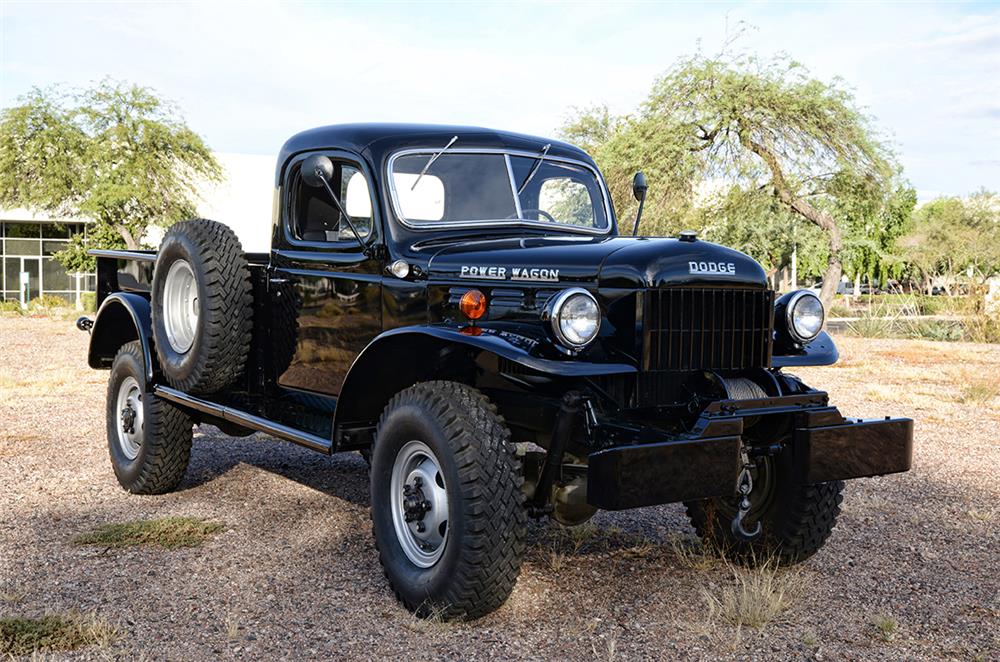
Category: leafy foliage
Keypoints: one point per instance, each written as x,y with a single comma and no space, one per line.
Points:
949,237
117,153
717,135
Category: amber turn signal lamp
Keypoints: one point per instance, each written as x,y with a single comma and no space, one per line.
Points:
473,304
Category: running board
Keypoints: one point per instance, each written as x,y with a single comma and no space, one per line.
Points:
245,419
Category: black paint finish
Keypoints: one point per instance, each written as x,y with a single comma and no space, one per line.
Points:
336,334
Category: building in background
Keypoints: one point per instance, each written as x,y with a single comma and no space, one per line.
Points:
28,243
243,200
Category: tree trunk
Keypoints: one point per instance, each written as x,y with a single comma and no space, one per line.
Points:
130,242
818,217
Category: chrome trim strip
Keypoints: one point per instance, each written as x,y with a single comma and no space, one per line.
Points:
245,419
486,222
513,186
123,255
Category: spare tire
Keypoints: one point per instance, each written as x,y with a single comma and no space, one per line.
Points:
202,306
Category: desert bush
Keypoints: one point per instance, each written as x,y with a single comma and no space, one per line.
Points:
47,302
89,301
11,307
942,331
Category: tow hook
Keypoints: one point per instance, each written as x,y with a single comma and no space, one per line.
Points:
744,485
85,324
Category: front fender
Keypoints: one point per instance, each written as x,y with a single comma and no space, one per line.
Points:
122,317
404,356
821,351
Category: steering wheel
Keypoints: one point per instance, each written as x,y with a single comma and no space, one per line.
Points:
544,213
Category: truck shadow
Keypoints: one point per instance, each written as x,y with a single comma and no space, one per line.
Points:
214,454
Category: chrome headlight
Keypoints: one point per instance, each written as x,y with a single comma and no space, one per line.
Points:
575,317
805,315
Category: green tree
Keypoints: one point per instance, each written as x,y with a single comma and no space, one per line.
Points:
873,218
117,154
951,237
750,123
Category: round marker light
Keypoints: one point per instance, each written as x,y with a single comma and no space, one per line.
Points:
575,317
805,316
473,304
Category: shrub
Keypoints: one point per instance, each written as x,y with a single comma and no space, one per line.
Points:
89,301
47,302
982,328
11,307
941,331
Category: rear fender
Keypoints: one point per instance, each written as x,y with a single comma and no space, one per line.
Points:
122,317
405,356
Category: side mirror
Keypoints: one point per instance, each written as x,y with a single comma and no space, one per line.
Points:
317,170
639,186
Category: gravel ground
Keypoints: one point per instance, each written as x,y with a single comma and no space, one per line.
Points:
294,572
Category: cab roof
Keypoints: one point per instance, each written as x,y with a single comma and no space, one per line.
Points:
377,140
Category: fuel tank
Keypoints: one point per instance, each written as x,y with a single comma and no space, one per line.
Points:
610,262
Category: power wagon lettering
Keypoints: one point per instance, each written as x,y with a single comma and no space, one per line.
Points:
516,273
489,273
522,273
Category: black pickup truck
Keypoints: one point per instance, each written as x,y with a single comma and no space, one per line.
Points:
458,305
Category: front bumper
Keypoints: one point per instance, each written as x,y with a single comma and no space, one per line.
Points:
824,446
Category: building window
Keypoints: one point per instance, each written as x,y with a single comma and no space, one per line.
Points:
28,248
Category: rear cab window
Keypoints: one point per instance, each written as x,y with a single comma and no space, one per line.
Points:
314,218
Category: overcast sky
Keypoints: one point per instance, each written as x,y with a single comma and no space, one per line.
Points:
247,76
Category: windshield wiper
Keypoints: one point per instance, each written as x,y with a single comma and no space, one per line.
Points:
432,160
534,167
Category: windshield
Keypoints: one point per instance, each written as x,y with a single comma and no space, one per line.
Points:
494,188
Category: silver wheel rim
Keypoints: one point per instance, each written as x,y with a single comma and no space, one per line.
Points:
180,306
130,418
419,503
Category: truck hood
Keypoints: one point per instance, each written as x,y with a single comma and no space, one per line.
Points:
622,262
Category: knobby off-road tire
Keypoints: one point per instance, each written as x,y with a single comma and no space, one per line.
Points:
153,458
796,519
480,558
202,306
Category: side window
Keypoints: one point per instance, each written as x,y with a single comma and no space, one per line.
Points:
567,201
315,218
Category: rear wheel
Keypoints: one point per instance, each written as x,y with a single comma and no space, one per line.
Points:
201,306
149,439
446,501
795,519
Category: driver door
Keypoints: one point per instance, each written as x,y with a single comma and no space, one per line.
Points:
325,291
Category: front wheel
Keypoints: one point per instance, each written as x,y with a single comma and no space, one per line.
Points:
446,502
795,519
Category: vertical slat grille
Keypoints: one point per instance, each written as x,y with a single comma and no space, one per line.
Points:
708,329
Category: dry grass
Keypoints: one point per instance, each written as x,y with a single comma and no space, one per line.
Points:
755,597
978,391
983,515
692,553
168,532
430,621
886,627
11,596
232,627
608,647
53,632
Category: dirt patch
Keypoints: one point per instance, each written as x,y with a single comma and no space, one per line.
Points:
910,573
